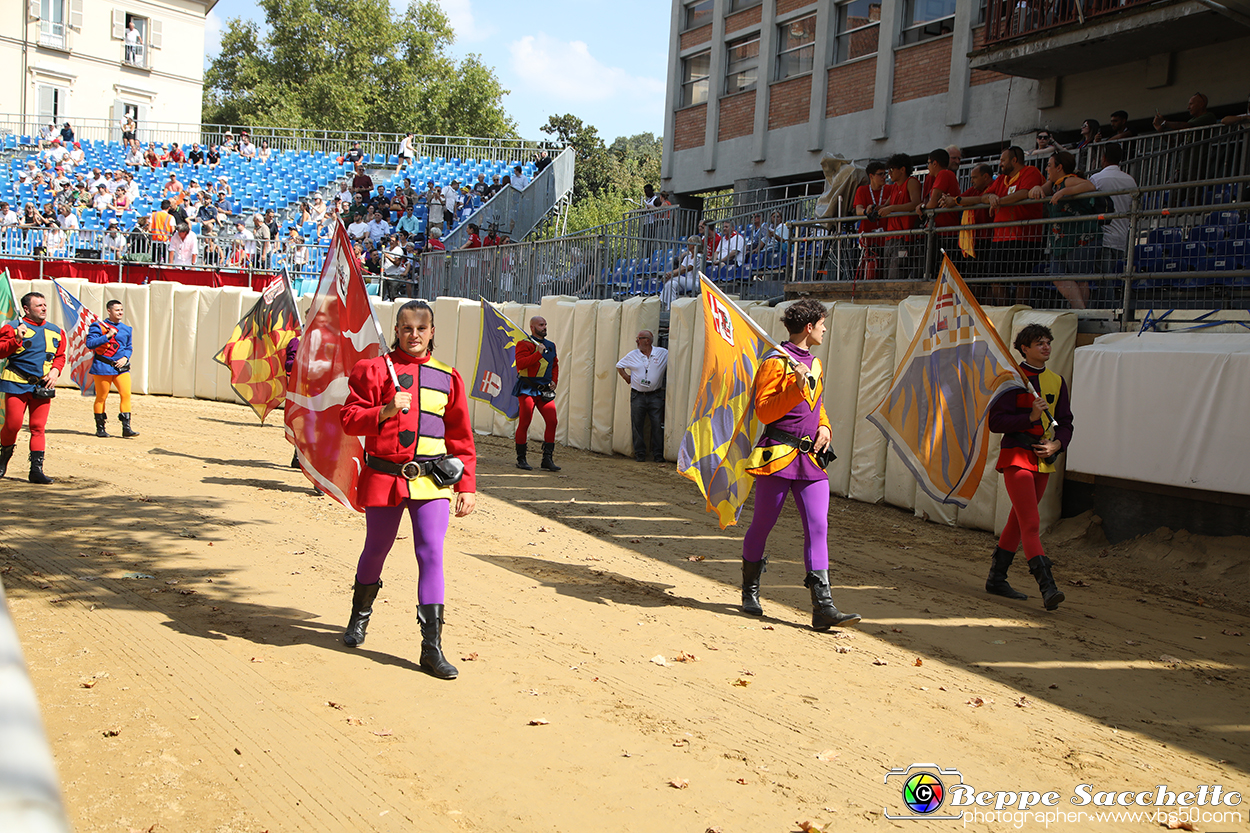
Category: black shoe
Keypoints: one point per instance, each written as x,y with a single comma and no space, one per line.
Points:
6,454
824,614
362,608
36,470
521,462
295,459
432,659
1051,595
126,430
101,420
549,449
996,583
751,587
639,458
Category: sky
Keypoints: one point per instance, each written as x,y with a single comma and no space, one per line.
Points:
604,62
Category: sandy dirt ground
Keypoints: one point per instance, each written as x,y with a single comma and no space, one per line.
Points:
181,597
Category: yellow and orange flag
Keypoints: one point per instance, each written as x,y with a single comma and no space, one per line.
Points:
936,412
256,351
723,426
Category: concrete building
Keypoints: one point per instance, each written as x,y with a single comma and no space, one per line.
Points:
91,60
758,90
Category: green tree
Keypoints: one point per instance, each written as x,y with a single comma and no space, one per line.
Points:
352,66
592,172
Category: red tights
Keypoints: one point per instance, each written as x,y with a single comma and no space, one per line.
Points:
1025,488
546,407
15,407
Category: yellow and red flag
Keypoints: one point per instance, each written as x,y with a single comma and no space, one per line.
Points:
256,352
936,412
723,426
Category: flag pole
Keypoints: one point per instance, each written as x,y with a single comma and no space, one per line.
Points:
797,368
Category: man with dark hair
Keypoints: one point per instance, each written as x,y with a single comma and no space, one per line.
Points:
1114,232
870,198
1119,126
903,252
354,155
161,225
940,182
1074,243
112,341
1014,249
35,349
362,183
791,457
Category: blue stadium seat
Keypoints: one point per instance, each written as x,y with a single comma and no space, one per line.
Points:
1165,235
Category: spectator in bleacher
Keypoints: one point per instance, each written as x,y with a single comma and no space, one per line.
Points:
204,211
370,258
68,219
176,156
213,157
731,250
1074,245
711,240
1114,232
8,217
183,246
451,202
358,228
480,187
31,218
178,210
394,261
956,155
1014,249
67,134
76,156
317,210
378,201
139,240
399,202
1233,121
193,189
103,199
406,153
128,129
354,156
475,240
295,251
28,174
970,265
134,156
264,153
362,183
53,242
757,235
684,276
379,228
869,199
356,209
151,158
495,186
242,246
264,240
1089,132
1199,115
114,241
271,221
121,199
196,156
1046,144
214,242
519,180
940,182
409,224
1120,126
161,224
903,252
433,241
46,135
247,150
57,152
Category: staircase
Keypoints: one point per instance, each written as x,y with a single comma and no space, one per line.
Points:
520,212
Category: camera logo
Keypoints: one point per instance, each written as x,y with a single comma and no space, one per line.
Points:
923,790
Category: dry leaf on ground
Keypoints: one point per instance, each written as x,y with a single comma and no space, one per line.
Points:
977,702
742,681
842,649
808,827
541,721
879,661
659,659
1228,632
696,558
470,657
919,662
1024,703
678,783
685,657
827,755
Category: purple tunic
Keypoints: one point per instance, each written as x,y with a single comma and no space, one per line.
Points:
802,421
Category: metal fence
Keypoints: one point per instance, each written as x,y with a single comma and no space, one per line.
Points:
1177,156
720,207
1193,256
518,212
1006,20
335,142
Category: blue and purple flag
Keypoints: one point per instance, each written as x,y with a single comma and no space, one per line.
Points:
496,372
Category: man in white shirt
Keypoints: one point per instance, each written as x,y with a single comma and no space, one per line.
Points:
644,369
8,217
451,193
345,194
378,228
68,219
114,240
57,152
359,229
519,180
1111,178
731,249
102,199
244,245
182,246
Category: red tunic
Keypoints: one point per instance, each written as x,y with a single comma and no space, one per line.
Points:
945,182
370,388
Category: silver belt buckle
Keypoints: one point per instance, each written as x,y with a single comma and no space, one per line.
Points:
411,470
806,444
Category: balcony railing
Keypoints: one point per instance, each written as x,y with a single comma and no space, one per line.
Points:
135,56
52,34
1010,19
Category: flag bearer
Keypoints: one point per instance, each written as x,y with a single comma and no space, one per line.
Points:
35,348
113,343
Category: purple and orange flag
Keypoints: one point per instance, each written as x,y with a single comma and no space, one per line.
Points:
255,355
936,412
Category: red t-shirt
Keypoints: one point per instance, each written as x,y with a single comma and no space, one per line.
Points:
979,215
899,196
945,182
866,197
1024,179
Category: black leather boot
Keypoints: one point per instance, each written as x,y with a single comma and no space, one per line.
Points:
101,420
751,587
521,462
6,454
294,459
549,464
824,614
127,431
1051,595
996,583
432,659
362,608
36,470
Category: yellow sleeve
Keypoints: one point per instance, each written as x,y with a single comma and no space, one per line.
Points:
776,391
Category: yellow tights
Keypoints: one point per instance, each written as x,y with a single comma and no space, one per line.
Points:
121,381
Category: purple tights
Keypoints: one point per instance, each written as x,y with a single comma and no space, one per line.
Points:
812,498
429,526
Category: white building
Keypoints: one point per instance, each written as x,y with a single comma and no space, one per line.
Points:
90,61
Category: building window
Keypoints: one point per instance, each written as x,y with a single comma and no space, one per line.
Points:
698,13
694,73
796,47
859,28
739,5
925,19
136,37
744,63
53,103
52,23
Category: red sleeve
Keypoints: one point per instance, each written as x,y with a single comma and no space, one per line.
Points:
58,361
458,434
369,388
10,341
946,182
862,197
527,357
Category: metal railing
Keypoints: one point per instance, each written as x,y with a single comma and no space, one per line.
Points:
1177,156
334,142
517,212
1190,256
722,206
1007,20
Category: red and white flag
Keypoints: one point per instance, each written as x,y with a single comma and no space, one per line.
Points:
340,330
78,356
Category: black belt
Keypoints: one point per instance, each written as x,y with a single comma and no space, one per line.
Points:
803,444
410,470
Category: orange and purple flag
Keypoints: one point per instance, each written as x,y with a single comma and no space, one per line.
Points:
256,352
936,412
723,426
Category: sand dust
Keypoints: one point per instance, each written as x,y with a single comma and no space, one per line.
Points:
181,597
